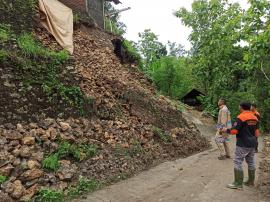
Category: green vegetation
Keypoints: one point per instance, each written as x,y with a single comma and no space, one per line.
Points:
84,186
132,51
169,69
171,76
39,66
78,152
230,58
3,179
166,138
10,10
51,162
48,195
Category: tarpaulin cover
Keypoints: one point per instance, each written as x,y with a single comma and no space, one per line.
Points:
58,20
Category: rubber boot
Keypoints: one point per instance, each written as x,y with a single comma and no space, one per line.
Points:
251,178
238,180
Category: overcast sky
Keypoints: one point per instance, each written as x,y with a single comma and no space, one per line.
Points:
157,15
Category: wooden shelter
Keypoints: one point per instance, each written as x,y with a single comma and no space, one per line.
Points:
191,98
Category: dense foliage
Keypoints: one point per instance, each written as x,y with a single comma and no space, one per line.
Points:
166,65
230,54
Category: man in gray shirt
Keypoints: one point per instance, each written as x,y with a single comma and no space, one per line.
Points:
224,121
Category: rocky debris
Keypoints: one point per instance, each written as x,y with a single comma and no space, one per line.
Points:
6,170
33,164
28,140
30,192
264,169
32,174
17,189
66,170
4,197
64,126
125,111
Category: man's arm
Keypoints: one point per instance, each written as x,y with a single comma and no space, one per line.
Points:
224,117
235,129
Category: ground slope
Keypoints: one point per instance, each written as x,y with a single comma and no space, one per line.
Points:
128,127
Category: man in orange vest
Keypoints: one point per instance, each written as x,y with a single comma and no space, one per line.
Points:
246,131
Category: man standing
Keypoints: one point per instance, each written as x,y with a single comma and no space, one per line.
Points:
224,121
257,114
246,131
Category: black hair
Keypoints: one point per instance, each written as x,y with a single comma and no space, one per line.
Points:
223,100
245,105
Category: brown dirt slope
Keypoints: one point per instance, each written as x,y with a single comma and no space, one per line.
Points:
132,127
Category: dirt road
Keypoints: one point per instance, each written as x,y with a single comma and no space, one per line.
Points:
200,178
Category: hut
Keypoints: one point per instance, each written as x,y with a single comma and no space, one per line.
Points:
92,8
191,98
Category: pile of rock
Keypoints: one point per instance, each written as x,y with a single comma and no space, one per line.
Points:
264,169
24,147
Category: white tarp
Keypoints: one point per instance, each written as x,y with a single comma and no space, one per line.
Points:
58,20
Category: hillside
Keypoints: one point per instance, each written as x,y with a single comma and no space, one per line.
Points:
111,127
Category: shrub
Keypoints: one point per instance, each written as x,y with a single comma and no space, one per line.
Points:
171,75
84,186
51,162
48,195
3,179
132,52
79,152
5,33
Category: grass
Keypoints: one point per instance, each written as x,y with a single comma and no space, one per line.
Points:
51,162
31,48
3,55
49,195
43,66
162,135
78,152
3,179
5,33
84,186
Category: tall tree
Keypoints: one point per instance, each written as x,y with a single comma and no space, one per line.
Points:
150,48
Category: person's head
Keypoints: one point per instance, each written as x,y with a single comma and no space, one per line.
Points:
253,107
245,106
221,102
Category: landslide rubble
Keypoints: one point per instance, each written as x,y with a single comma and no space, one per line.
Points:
131,127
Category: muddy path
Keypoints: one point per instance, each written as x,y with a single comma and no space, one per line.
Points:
200,178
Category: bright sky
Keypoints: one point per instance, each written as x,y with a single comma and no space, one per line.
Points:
157,15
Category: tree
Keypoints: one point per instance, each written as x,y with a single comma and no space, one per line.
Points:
113,23
223,64
172,76
150,48
176,50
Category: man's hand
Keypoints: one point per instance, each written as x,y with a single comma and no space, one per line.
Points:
223,130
